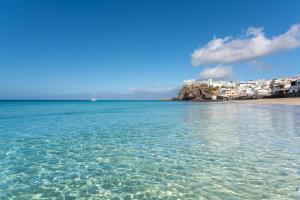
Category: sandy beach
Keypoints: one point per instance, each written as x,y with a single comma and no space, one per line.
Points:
279,101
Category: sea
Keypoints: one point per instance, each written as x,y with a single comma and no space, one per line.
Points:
148,150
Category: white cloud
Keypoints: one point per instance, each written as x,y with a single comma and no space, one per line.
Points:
154,89
218,72
152,92
189,81
252,45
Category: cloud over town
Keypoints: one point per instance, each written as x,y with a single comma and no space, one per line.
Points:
218,72
252,45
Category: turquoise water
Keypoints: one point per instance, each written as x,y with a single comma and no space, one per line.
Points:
148,150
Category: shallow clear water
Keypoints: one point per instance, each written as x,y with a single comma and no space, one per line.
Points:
148,150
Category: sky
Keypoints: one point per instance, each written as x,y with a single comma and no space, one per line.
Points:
68,49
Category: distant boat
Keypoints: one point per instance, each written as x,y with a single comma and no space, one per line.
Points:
94,98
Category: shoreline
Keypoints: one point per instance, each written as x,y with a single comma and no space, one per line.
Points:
272,101
267,101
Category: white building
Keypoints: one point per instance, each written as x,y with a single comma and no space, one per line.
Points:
262,91
229,93
295,86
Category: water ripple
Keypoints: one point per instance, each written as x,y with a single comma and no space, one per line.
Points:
149,150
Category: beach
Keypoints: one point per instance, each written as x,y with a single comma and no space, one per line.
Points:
275,101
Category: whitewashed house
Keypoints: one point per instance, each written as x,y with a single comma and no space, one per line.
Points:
295,86
228,93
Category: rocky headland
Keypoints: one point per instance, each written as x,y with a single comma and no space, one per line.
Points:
196,92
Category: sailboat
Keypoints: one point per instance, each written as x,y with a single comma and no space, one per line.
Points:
94,98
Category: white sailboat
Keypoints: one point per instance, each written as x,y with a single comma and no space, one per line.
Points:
94,98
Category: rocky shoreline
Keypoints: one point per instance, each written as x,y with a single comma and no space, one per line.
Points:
204,93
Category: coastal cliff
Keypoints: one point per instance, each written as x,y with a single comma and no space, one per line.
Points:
196,92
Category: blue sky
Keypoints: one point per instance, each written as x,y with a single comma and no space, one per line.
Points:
130,49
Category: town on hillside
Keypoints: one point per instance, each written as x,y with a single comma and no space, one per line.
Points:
225,90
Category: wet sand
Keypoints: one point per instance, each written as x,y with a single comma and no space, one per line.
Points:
279,101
